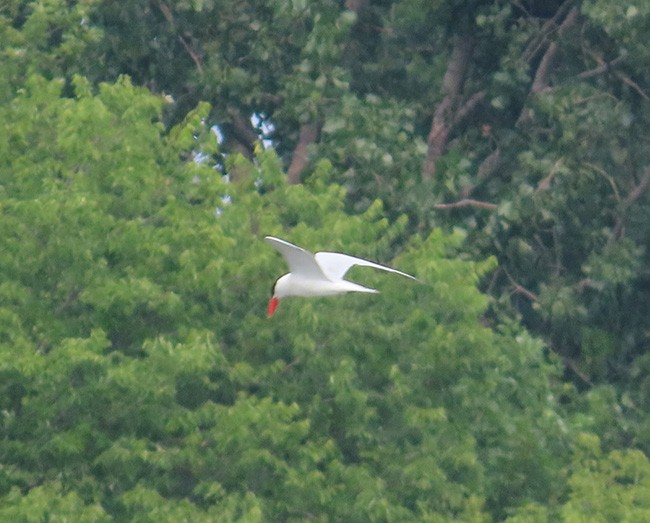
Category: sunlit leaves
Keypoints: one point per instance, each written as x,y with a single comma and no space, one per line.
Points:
138,362
620,482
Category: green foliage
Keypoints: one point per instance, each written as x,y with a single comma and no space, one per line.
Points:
612,487
49,502
141,377
44,37
615,487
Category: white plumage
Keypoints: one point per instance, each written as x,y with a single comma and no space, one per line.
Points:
317,275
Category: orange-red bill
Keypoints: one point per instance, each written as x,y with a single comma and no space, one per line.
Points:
273,303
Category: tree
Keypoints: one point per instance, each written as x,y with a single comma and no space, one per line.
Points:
138,374
445,111
610,487
139,370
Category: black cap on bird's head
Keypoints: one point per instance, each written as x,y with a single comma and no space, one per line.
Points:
273,302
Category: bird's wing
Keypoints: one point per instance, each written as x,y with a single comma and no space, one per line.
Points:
335,265
300,261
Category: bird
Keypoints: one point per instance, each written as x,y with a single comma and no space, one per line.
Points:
319,274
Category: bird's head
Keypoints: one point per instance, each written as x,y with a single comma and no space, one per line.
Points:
277,291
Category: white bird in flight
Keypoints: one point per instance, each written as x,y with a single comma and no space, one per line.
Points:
319,274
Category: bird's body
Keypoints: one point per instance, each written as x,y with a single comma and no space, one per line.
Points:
294,285
317,275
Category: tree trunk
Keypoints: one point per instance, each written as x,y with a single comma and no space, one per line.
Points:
445,115
308,135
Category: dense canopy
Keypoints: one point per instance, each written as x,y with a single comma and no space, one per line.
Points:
498,150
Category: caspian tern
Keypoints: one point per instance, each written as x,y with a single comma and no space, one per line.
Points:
319,274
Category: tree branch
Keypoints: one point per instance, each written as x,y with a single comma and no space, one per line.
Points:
308,135
167,13
485,170
437,138
572,365
541,80
440,128
635,193
631,83
468,106
193,55
467,203
489,164
545,183
454,78
520,289
549,26
542,74
356,5
639,189
443,117
599,170
603,67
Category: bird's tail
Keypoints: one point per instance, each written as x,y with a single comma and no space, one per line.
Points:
355,287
